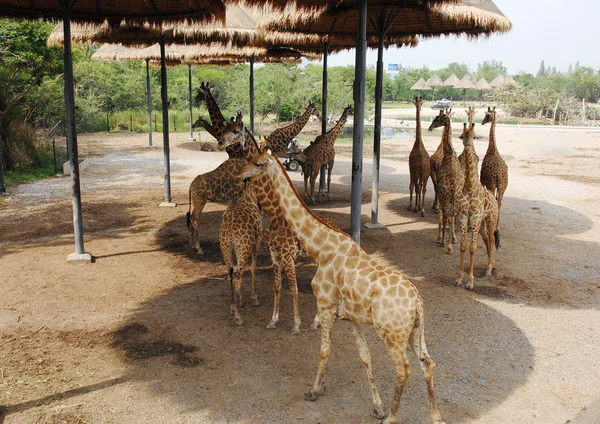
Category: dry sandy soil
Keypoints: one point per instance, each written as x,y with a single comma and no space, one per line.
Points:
143,335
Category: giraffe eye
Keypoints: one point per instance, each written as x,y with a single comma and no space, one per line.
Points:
259,164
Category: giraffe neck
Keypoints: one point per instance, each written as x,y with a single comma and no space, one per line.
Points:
492,144
268,198
288,132
447,139
310,231
418,136
333,133
216,117
471,177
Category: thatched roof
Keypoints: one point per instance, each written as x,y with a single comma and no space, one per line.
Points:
115,11
465,82
498,81
451,80
482,84
318,4
420,85
470,17
434,81
508,80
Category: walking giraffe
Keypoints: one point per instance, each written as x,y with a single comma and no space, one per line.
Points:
348,282
418,165
280,138
321,152
479,210
494,171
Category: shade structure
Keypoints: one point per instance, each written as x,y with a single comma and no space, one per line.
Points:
498,81
387,19
451,80
421,84
434,81
464,83
508,80
98,11
482,84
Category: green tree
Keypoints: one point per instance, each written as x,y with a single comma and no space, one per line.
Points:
490,70
542,70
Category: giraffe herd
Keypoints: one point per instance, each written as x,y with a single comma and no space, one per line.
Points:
348,283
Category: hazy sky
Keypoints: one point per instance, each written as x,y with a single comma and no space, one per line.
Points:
558,32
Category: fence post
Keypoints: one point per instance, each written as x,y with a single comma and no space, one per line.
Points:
174,121
130,122
107,124
155,122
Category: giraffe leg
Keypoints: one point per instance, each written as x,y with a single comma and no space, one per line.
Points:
435,205
464,227
313,179
403,371
489,243
451,235
417,342
423,191
290,271
501,190
472,251
195,226
276,290
227,252
253,296
441,227
329,169
326,318
411,185
452,229
365,357
306,172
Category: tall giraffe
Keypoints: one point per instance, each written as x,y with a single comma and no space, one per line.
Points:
321,152
349,283
494,171
435,164
478,207
279,139
418,165
450,180
241,233
470,116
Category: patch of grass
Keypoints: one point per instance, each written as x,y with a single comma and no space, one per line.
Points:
397,105
44,168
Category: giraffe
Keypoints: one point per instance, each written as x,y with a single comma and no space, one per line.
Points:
279,139
479,210
450,180
218,185
348,282
461,158
494,171
435,164
321,152
241,233
419,165
283,244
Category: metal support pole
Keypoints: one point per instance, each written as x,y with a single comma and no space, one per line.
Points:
149,96
79,254
324,108
2,186
377,132
165,123
191,100
252,95
359,120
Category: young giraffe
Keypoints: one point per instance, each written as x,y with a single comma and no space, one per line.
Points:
279,139
282,242
241,233
461,158
348,282
435,164
450,180
419,165
321,152
479,210
494,171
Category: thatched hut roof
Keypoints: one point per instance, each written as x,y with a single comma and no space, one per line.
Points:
451,80
434,81
420,85
465,82
498,81
508,80
471,17
115,11
482,84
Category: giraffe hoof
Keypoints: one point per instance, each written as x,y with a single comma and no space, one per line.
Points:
239,321
468,286
311,396
449,250
255,302
458,283
378,412
423,213
272,325
295,331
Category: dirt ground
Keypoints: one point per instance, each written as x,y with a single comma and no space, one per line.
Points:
143,334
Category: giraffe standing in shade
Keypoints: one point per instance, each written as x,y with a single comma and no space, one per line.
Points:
418,165
241,233
435,164
279,139
479,210
494,171
461,158
450,179
321,152
349,283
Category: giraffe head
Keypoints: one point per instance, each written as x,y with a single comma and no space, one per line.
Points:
257,165
312,110
468,134
441,119
490,116
233,133
349,110
470,114
418,102
202,93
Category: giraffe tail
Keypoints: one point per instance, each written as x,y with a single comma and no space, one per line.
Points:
188,215
497,238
